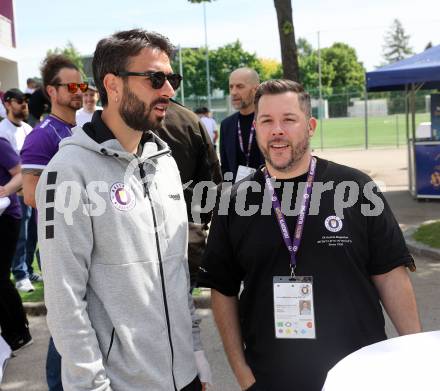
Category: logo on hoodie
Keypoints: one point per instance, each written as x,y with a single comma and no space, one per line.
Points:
122,197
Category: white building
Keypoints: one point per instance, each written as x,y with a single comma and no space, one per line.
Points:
8,51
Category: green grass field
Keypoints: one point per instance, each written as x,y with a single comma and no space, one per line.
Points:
387,131
429,234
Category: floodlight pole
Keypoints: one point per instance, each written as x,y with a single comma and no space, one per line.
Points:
182,93
208,81
320,93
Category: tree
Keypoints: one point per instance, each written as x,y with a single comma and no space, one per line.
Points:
287,37
342,74
227,58
286,32
70,52
222,61
270,69
194,71
396,45
304,48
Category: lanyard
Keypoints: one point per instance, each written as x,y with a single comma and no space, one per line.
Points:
240,140
292,246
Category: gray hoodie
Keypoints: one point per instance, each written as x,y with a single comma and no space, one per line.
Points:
113,239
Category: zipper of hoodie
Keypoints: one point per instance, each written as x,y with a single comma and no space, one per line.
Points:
162,277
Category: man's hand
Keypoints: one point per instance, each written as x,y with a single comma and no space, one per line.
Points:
3,191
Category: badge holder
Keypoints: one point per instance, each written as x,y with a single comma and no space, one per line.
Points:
294,307
243,172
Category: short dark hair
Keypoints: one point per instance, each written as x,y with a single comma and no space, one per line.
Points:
280,86
112,54
50,68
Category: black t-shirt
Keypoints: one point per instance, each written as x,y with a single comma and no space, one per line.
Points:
341,258
255,155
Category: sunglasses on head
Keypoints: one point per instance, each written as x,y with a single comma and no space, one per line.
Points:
73,87
157,78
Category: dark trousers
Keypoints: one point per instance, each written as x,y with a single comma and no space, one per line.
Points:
53,368
13,320
195,385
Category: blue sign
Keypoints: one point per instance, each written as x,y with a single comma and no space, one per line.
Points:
428,169
435,116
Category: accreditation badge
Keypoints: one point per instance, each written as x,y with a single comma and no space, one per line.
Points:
243,172
293,307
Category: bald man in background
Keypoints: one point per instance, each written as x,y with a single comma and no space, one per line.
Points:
239,152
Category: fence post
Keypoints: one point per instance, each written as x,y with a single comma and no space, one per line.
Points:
397,130
366,117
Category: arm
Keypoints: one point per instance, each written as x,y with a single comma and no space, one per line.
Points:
14,184
397,296
30,181
225,309
67,252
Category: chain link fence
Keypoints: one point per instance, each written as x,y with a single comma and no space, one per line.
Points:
342,122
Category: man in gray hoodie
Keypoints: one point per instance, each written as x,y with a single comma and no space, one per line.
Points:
113,235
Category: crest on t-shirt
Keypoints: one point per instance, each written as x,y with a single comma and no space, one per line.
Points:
333,223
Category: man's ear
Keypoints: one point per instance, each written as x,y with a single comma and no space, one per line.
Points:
312,126
113,86
51,91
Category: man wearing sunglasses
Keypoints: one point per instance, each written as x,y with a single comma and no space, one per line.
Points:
63,85
121,317
14,129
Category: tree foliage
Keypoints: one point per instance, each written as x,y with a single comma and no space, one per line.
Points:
340,68
227,58
70,52
222,61
270,69
286,32
396,45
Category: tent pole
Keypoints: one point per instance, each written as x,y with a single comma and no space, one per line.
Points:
413,133
409,142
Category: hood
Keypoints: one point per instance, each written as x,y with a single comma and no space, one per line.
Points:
97,137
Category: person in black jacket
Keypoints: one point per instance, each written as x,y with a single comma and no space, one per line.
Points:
197,161
239,153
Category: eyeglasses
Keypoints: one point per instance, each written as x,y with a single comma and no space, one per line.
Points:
73,87
19,101
157,78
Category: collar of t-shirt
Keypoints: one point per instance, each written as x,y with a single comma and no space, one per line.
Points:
99,132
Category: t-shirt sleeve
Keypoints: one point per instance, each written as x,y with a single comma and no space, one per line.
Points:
220,269
387,245
8,157
38,149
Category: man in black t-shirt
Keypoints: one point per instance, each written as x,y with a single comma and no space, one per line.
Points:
323,223
239,152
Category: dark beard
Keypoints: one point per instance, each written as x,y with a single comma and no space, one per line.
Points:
21,115
297,153
135,113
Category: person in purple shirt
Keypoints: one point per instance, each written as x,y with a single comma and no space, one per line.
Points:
13,322
63,85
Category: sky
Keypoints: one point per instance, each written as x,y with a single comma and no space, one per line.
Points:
46,24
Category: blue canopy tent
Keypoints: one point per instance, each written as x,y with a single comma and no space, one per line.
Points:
421,71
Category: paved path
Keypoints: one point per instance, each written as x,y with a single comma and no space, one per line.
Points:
26,371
